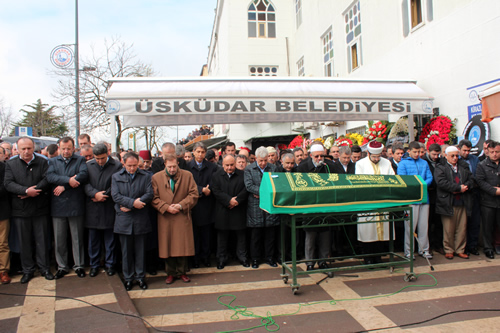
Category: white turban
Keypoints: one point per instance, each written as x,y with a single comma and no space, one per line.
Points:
451,149
315,148
375,147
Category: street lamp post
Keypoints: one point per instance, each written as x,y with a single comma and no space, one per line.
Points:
77,78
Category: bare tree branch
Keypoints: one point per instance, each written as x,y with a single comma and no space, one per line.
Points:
153,136
6,118
118,60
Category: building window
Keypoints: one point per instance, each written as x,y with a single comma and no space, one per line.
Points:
261,19
360,130
298,13
354,56
352,20
300,67
263,70
328,52
416,12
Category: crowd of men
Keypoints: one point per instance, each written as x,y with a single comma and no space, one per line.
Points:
203,130
178,210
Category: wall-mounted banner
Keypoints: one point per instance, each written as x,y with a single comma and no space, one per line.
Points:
474,106
189,101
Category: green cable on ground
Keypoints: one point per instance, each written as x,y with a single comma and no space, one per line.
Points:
271,326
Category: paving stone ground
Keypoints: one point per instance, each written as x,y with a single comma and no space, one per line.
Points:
350,302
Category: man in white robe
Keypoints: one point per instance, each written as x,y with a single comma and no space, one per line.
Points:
371,234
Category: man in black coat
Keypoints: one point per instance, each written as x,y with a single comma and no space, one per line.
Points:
167,148
100,217
397,154
68,174
435,222
453,201
202,172
488,180
340,245
316,163
228,188
25,180
228,149
345,165
288,163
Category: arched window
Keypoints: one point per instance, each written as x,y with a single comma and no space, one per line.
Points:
261,19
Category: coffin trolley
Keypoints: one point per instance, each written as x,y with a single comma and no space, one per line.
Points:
312,200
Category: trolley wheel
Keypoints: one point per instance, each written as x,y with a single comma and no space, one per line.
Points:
330,275
285,279
410,277
295,290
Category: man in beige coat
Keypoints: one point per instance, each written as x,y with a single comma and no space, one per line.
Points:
175,194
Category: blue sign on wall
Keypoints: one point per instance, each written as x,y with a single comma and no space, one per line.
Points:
474,106
474,110
24,131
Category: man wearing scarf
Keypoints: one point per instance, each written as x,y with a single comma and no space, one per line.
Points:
371,234
175,194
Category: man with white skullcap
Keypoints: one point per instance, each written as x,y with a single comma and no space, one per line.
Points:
453,201
316,163
372,234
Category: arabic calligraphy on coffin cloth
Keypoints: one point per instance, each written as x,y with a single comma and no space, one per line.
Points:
302,193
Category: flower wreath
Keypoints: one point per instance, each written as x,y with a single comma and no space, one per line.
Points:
440,130
329,142
296,142
357,139
377,130
343,141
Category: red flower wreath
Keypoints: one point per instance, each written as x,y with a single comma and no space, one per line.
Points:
296,142
377,130
437,130
343,141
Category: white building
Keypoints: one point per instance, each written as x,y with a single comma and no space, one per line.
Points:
450,47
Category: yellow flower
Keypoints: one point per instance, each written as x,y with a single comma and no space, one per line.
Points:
356,138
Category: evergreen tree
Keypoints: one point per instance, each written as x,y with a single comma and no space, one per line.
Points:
43,120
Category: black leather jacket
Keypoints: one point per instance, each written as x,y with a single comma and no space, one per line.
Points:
488,177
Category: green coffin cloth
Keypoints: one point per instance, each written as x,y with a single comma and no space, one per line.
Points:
303,193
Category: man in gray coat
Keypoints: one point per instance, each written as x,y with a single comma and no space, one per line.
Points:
68,174
100,217
262,224
131,190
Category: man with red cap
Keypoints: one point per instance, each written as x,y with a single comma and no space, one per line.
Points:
244,151
371,234
146,156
